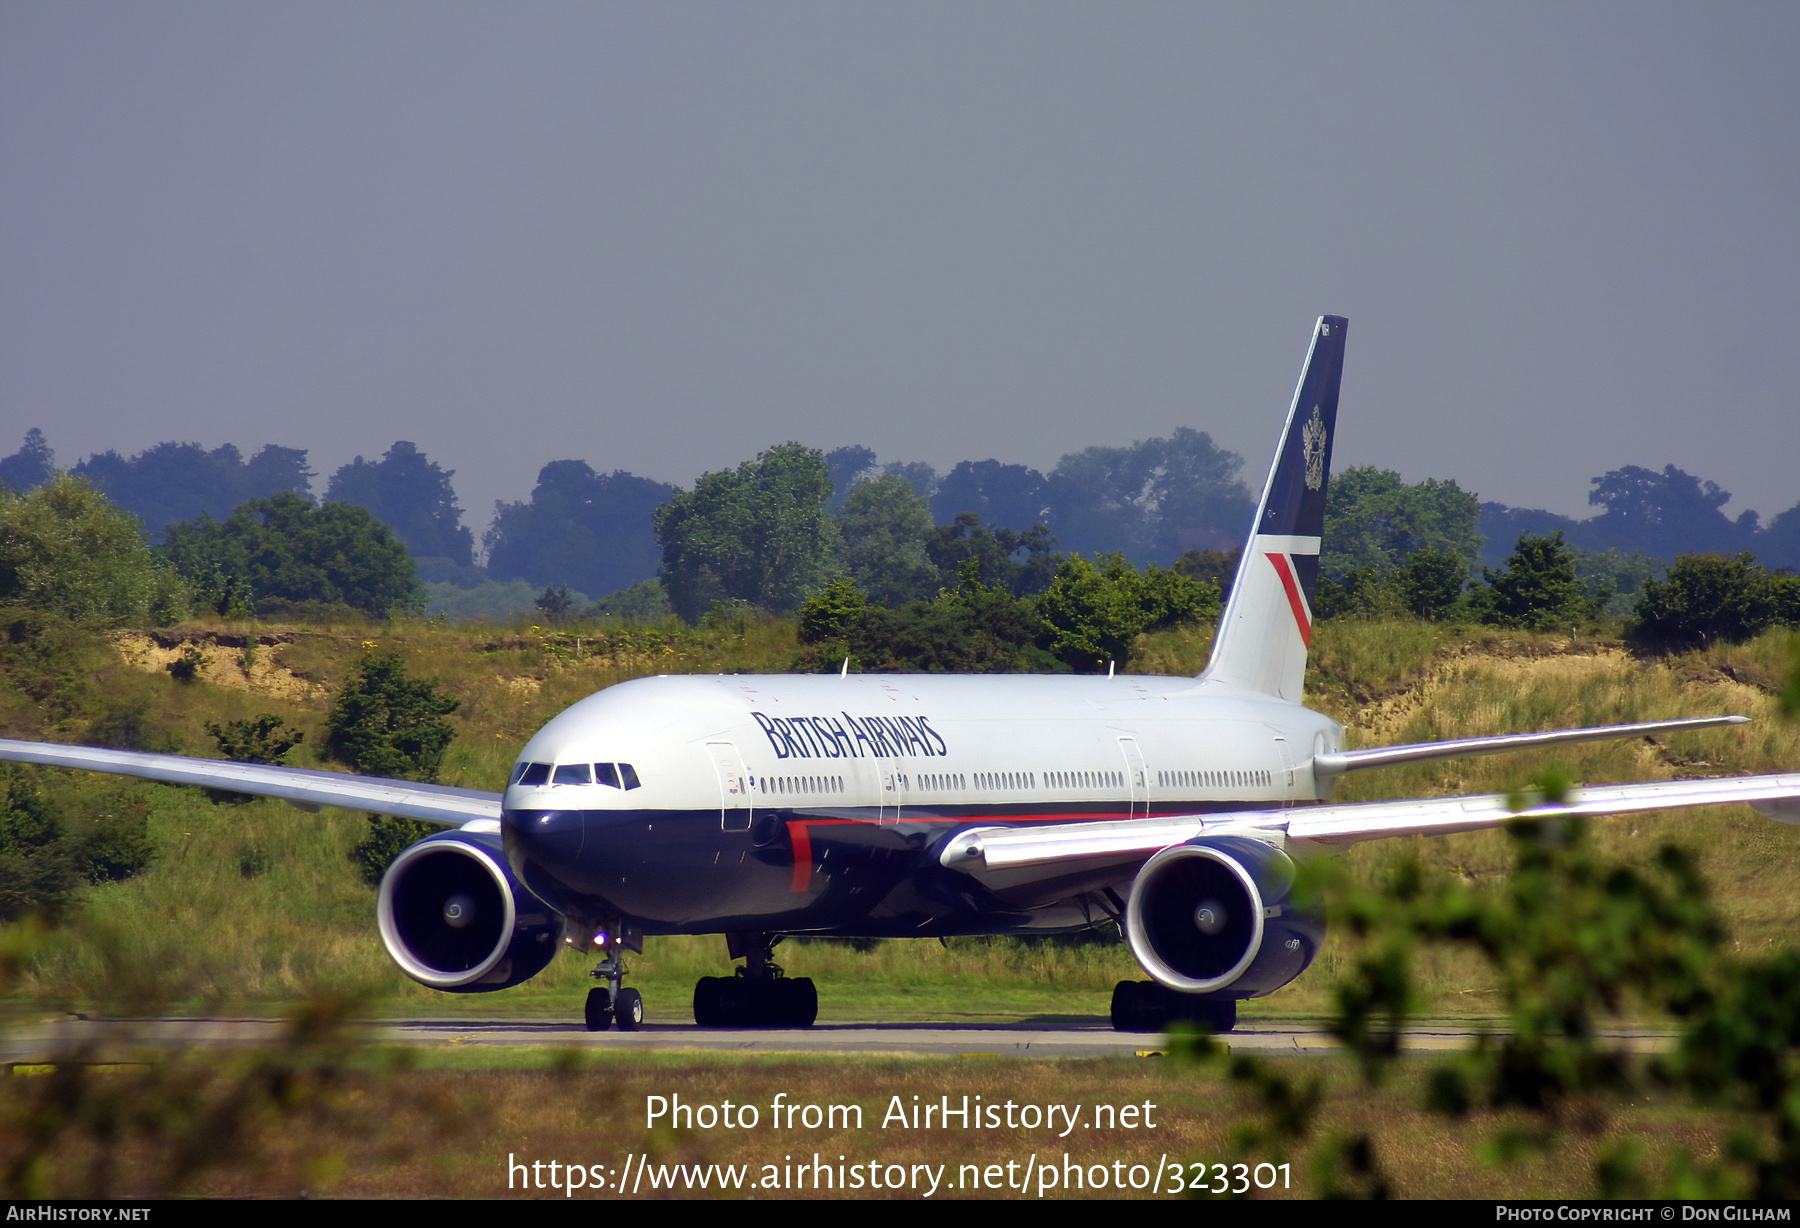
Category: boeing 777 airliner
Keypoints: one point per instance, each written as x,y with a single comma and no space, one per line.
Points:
873,805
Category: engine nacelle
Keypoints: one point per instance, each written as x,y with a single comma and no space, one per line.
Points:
454,918
1214,916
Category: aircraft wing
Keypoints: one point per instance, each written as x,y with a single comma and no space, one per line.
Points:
301,787
1010,853
1338,762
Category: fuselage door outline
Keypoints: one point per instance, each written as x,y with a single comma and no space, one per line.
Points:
735,806
1137,780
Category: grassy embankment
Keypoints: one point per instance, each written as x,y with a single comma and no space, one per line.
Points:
249,906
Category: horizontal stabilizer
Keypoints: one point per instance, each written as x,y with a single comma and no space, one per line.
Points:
300,786
1338,762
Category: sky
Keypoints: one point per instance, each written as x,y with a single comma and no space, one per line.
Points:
662,237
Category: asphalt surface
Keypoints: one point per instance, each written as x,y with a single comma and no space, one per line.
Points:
104,1039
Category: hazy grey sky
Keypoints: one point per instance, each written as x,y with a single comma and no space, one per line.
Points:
663,236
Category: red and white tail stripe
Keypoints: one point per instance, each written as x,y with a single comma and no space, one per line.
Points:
1280,552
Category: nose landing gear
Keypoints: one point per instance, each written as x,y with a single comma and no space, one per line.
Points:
614,1003
759,995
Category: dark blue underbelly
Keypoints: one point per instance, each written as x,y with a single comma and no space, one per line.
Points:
819,870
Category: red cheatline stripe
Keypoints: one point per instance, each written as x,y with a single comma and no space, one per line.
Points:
802,842
801,839
1295,601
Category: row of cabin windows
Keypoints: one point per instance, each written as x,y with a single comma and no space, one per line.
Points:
1214,780
614,775
779,785
1085,780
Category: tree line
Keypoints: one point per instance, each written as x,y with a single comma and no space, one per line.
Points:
785,526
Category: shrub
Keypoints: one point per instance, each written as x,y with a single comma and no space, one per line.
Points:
1709,597
386,724
1538,589
1092,614
386,839
259,739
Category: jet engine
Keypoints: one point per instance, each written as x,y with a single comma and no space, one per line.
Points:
454,918
1214,916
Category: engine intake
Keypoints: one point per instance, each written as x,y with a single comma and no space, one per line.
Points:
1214,916
454,918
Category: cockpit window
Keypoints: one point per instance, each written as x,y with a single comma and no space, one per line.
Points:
630,775
606,774
531,774
571,774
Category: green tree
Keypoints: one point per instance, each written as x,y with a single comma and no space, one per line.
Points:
1373,519
1093,614
386,724
1365,592
1538,588
758,534
830,615
37,874
44,858
1665,514
1021,563
884,527
410,495
849,467
31,466
971,629
1431,582
178,481
1612,580
1153,499
1707,598
557,605
643,602
288,550
588,530
1217,567
65,549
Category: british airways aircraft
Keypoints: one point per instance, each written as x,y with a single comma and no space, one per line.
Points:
917,806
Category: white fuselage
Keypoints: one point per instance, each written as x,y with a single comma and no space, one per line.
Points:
923,746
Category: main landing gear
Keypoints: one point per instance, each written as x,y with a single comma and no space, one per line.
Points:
1145,1006
614,1003
760,995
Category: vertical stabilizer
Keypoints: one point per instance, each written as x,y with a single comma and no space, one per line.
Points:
1267,625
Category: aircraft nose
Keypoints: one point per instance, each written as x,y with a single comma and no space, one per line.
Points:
540,843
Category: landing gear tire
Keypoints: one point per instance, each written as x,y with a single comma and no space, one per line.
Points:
797,1002
599,1011
1145,1006
1129,1013
709,1010
747,1002
630,1010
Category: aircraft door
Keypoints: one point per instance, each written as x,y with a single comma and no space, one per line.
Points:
735,806
891,790
1284,761
1137,780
